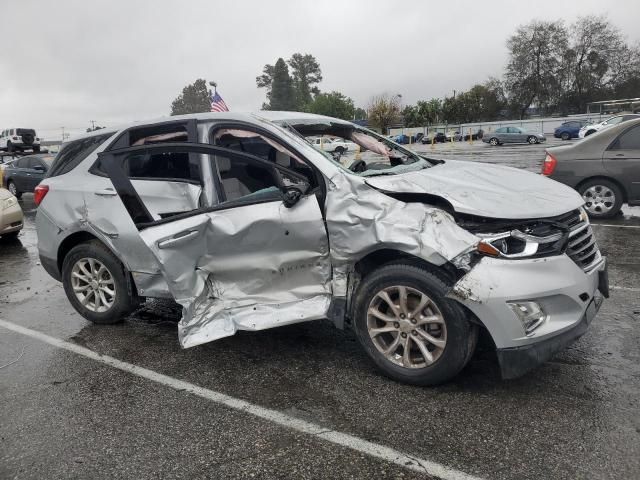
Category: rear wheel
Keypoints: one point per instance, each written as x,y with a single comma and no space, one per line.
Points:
339,150
532,140
603,198
409,329
9,147
494,141
95,283
12,188
565,136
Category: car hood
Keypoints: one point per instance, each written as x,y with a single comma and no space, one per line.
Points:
485,190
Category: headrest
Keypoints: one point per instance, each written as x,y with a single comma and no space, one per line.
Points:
224,164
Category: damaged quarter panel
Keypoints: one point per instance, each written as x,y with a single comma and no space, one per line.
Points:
361,219
245,268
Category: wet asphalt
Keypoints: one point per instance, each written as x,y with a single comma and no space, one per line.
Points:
66,416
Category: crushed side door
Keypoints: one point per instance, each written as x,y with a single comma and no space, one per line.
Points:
248,263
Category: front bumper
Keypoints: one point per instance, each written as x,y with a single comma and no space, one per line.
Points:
565,292
515,362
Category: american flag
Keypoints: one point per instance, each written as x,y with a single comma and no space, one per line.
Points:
217,103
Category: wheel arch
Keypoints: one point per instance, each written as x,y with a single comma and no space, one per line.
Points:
609,179
82,236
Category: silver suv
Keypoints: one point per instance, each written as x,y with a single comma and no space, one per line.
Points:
248,226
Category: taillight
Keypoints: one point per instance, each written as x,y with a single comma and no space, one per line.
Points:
39,193
549,164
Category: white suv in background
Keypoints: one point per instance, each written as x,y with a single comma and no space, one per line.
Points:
609,122
19,139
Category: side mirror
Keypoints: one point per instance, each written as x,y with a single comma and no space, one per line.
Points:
291,195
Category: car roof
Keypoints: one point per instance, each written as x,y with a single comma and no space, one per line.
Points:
293,118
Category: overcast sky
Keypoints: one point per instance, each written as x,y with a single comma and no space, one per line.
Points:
65,63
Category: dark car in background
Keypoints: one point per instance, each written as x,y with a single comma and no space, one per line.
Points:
603,168
22,175
570,129
438,137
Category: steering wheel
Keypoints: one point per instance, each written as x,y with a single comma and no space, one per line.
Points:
358,166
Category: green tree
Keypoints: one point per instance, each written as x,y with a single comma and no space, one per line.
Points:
195,98
281,95
306,74
333,104
360,114
384,111
534,71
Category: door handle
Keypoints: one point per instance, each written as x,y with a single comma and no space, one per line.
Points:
178,238
107,192
620,155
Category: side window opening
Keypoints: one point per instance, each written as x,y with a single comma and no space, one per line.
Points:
244,179
628,140
265,148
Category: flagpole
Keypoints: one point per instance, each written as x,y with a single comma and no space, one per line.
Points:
215,87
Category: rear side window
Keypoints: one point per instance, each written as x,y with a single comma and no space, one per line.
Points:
75,152
629,140
177,166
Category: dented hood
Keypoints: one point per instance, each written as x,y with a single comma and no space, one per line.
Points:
485,190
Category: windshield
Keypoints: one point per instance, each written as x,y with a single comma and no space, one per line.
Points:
358,150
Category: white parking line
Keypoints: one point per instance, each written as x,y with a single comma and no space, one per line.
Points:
338,438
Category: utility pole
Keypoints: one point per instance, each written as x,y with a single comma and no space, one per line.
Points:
93,125
62,134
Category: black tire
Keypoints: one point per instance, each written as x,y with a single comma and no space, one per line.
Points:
532,140
461,335
123,302
9,147
603,182
339,150
36,149
589,132
565,136
494,141
13,189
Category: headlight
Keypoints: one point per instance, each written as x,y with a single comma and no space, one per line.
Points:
9,202
517,244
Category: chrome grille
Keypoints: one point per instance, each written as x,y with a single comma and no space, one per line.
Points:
582,247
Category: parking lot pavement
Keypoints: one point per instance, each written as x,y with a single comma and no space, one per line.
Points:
93,413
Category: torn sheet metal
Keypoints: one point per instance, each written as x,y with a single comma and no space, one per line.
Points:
486,190
361,220
246,268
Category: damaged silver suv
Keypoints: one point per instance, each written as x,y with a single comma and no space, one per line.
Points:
248,226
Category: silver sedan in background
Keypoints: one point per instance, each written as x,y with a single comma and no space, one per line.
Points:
513,135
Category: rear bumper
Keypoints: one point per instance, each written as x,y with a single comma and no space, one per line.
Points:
515,362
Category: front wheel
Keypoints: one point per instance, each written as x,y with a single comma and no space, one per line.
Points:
532,140
409,329
95,283
339,150
603,198
565,136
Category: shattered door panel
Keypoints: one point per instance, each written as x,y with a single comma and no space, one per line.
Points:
250,267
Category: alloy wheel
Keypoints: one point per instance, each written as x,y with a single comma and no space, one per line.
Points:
406,327
12,188
599,199
93,285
